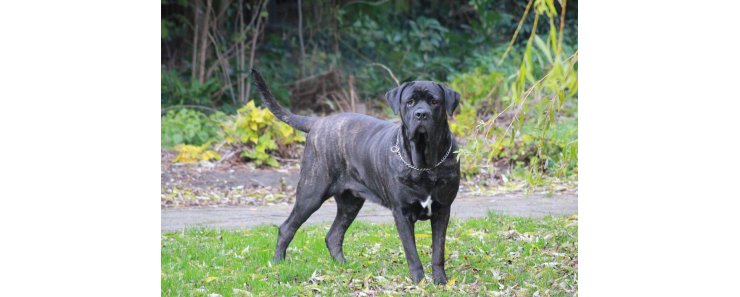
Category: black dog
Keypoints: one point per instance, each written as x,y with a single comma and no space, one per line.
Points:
353,157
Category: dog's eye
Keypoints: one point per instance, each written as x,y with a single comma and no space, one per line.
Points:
435,101
410,102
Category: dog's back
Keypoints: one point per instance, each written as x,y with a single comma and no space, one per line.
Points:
349,143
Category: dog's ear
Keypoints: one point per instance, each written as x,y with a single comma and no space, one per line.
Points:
452,98
393,97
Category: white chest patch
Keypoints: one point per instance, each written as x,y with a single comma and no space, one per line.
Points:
428,205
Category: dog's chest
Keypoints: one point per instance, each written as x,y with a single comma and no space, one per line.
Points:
417,192
422,183
426,208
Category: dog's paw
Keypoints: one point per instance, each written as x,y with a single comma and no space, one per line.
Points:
277,260
417,276
339,258
439,278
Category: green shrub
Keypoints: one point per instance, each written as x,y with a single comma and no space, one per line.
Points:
187,126
553,151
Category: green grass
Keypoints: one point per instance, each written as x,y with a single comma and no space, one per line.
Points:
498,255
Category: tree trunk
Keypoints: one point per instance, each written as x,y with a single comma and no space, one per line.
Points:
196,27
203,39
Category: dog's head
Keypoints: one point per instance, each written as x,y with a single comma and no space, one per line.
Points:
423,106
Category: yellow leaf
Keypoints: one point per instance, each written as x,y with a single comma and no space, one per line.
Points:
451,282
268,115
258,117
284,130
190,153
423,235
187,153
209,154
250,105
210,279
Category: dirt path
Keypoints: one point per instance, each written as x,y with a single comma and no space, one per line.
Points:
536,205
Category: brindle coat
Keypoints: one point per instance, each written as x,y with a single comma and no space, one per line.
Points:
348,156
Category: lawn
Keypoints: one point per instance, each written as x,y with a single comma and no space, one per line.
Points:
497,255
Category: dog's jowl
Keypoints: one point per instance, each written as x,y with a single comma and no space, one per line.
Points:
409,168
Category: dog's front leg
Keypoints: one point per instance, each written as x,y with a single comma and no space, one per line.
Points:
440,219
405,227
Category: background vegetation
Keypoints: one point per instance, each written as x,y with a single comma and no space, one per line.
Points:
514,62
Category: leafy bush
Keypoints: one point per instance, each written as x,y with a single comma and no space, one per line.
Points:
258,128
187,126
554,150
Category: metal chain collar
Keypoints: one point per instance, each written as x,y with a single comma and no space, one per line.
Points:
397,150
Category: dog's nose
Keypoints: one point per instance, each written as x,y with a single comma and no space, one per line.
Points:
421,114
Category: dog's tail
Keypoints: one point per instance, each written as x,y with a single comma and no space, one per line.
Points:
302,123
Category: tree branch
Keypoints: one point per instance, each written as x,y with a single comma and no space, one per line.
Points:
389,72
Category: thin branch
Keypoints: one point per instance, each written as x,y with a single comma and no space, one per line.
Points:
562,27
223,62
286,159
300,34
227,55
254,46
204,42
196,27
240,54
526,94
229,155
352,94
389,72
308,78
516,32
355,51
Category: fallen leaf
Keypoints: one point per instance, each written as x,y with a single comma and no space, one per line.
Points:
423,235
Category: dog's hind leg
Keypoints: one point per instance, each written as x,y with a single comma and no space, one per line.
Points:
348,206
309,198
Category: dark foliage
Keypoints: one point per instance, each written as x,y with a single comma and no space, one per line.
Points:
415,39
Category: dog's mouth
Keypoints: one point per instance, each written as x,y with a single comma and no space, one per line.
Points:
419,137
420,134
